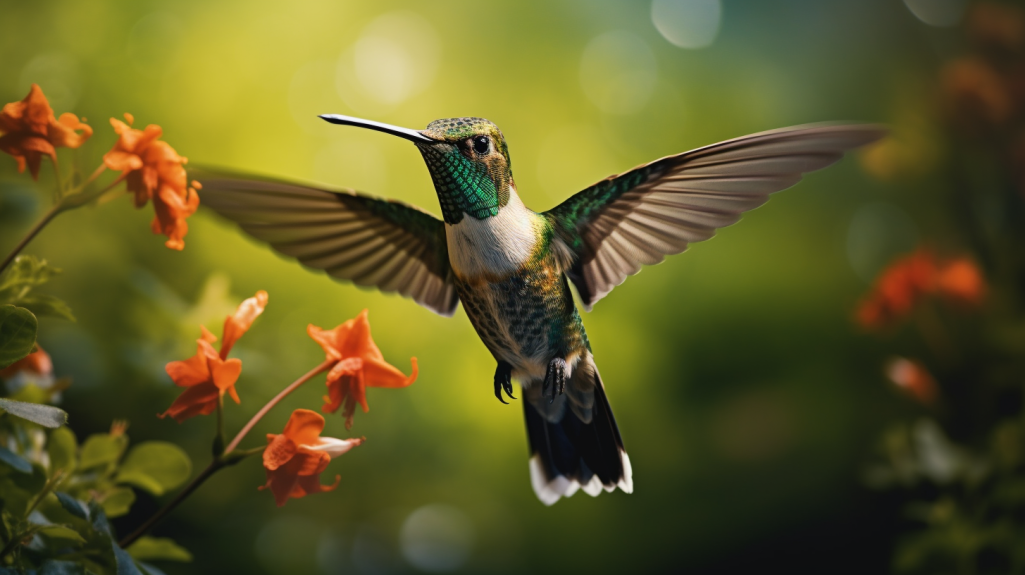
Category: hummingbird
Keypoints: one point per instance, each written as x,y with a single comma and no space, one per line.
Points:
512,268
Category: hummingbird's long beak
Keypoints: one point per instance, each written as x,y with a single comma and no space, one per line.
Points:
405,133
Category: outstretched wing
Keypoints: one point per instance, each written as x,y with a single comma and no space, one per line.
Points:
655,210
370,242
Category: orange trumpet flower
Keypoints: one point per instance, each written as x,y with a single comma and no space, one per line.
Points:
360,364
30,131
154,171
295,459
209,374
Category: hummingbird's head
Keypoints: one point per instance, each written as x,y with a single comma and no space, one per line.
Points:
468,160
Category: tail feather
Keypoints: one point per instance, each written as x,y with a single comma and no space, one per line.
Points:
573,448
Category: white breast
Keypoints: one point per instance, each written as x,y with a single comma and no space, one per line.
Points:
498,245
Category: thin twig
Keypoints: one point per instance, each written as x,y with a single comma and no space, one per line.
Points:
52,213
192,486
259,415
229,457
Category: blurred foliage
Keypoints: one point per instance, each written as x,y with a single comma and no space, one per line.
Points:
964,497
55,497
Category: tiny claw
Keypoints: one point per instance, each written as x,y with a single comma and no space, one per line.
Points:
555,377
503,381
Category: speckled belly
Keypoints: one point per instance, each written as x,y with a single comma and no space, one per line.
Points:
525,319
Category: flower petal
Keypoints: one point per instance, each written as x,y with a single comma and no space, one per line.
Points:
279,451
197,400
358,341
282,482
239,323
311,462
192,371
330,340
122,161
63,132
310,484
379,373
224,374
336,447
38,363
304,427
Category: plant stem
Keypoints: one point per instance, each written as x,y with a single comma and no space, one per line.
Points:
215,465
228,457
277,398
52,213
219,438
62,205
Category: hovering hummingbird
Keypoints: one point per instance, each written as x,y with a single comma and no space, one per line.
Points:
511,267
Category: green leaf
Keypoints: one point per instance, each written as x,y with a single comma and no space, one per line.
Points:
155,466
17,334
18,490
45,415
25,273
62,448
125,563
102,449
14,460
62,532
150,548
48,305
72,505
149,568
118,501
51,567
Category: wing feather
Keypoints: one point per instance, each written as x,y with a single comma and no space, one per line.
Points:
639,217
353,237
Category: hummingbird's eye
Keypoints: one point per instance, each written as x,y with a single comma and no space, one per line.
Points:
481,144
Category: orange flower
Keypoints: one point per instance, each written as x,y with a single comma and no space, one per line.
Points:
360,364
1000,26
902,285
912,378
295,459
960,280
209,374
30,131
154,171
37,363
976,95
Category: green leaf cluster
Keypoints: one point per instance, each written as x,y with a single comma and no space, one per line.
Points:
56,497
18,283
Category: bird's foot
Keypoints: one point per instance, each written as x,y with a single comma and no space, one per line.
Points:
503,381
555,377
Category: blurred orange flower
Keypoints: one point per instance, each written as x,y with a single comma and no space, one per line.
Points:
912,378
209,374
37,363
154,171
996,25
976,95
30,131
908,280
295,459
360,364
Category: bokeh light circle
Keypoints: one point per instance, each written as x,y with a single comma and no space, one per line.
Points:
618,72
58,74
395,58
436,538
687,23
940,13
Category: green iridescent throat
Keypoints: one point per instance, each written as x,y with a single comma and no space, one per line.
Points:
466,183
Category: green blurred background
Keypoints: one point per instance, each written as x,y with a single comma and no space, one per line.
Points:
747,399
